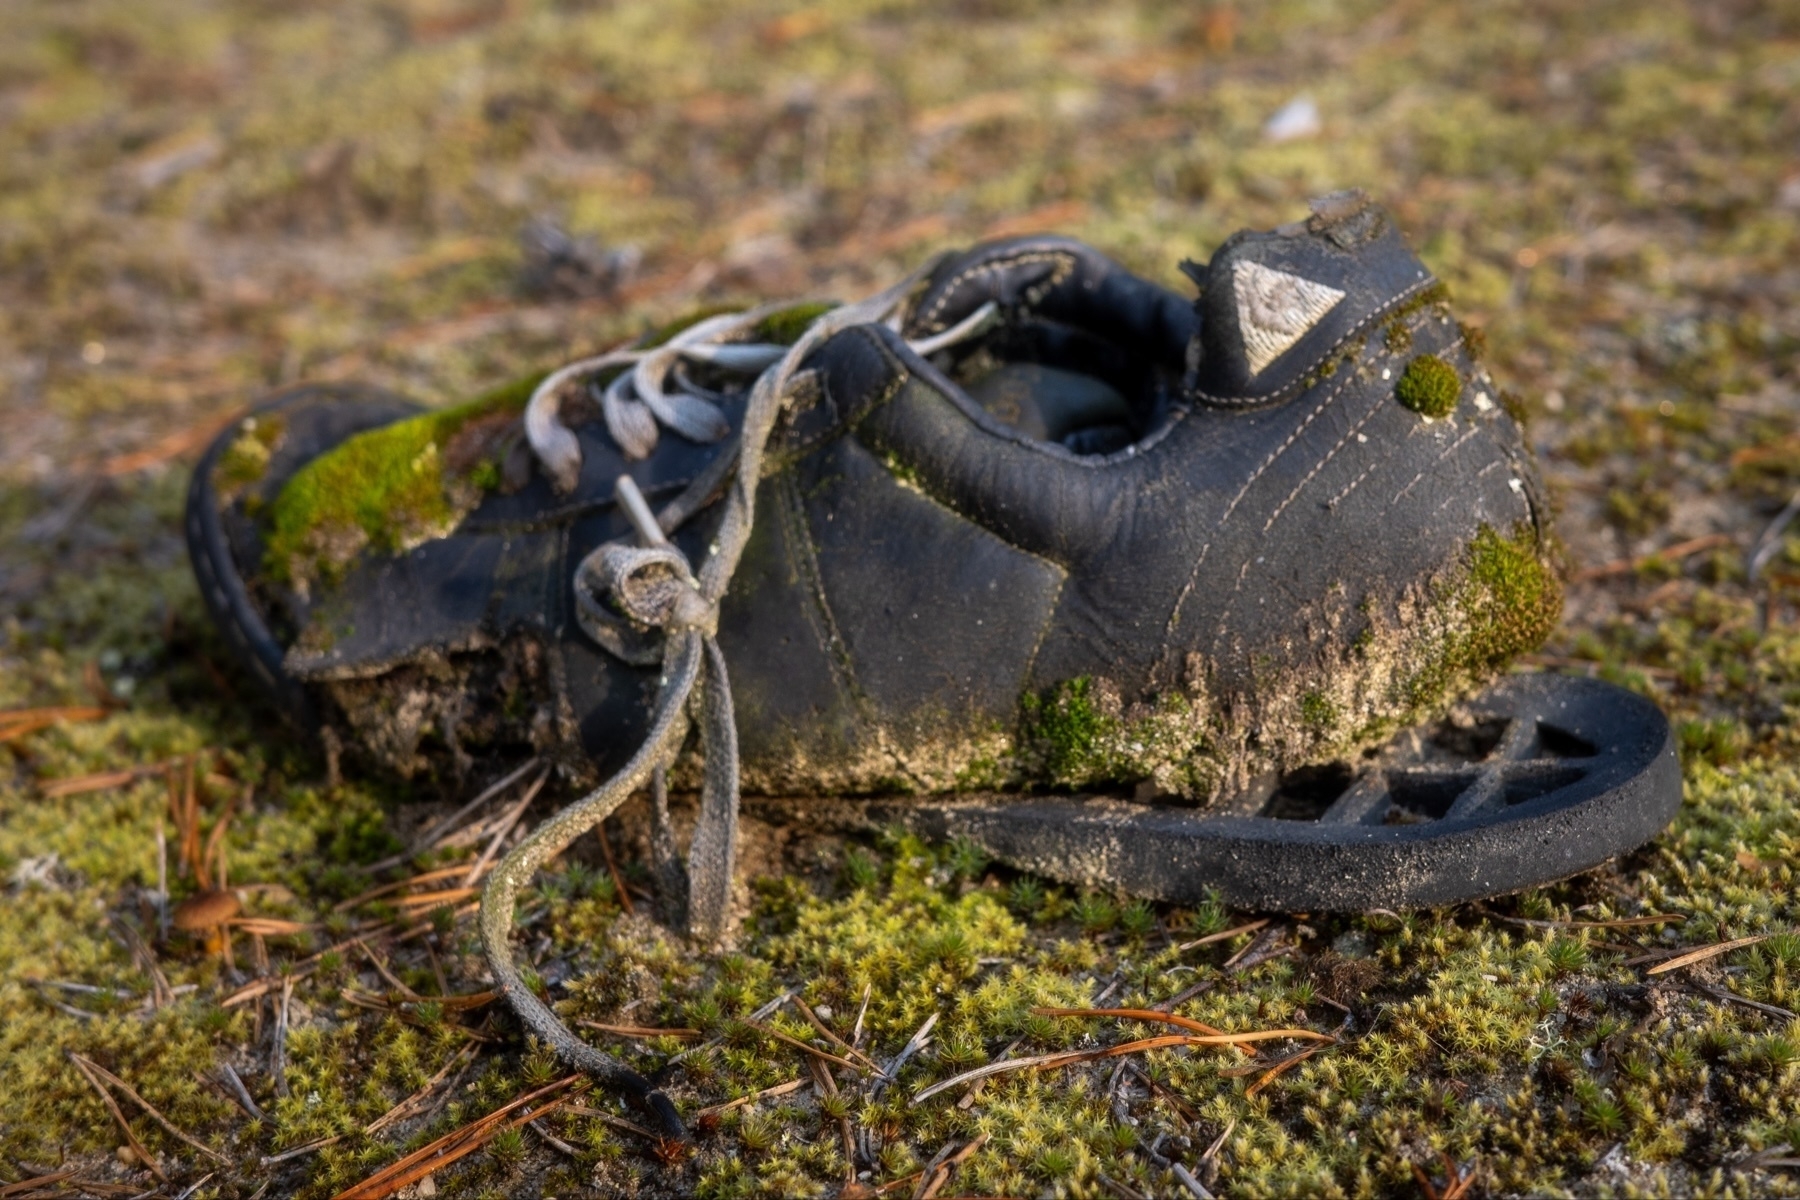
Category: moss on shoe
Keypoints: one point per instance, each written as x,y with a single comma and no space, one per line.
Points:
392,488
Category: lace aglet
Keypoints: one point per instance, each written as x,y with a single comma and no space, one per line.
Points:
637,510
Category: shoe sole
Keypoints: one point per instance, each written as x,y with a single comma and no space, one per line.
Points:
1580,771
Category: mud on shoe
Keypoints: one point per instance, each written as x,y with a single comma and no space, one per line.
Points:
1025,521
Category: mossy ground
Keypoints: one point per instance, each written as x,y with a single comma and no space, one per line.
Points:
199,201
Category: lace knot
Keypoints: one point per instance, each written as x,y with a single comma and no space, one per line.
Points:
654,586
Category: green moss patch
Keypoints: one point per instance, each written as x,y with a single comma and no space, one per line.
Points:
1081,734
391,488
787,325
246,459
1429,386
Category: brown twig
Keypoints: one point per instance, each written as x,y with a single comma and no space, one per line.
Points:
22,722
278,1042
112,1106
1064,1058
1456,1184
1182,997
1704,953
32,1184
381,968
612,868
1282,1067
1072,1057
1680,550
215,842
375,893
437,828
606,1118
191,857
943,1165
131,1094
1223,934
780,1089
460,1143
312,1147
974,1092
796,1043
1257,951
813,1019
506,825
639,1031
235,1084
1773,1010
97,782
401,1110
1620,923
160,991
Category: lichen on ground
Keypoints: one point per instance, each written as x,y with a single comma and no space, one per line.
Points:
197,204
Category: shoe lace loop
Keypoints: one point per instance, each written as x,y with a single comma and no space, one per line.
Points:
647,604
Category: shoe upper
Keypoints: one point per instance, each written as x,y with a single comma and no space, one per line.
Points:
1123,536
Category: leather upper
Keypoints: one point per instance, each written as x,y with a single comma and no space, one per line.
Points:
918,568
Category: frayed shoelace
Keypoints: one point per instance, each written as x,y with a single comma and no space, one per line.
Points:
653,584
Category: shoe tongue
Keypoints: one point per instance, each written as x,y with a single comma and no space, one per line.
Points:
1274,306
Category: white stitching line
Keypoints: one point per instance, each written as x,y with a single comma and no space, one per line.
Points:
1288,390
1435,463
1194,575
1065,261
1062,580
1237,589
1380,402
792,520
1354,484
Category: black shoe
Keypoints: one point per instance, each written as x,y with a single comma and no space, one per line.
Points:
1104,542
1030,521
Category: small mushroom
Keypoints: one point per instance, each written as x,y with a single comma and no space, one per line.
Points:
206,913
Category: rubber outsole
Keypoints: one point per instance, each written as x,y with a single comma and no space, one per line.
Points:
1606,781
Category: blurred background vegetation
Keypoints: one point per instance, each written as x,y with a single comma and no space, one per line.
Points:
204,199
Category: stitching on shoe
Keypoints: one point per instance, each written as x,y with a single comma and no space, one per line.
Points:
819,617
1380,401
1187,588
1414,482
1065,261
1290,390
1037,646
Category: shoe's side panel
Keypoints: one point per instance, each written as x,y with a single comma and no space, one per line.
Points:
939,618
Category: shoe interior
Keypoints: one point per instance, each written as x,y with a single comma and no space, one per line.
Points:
1065,386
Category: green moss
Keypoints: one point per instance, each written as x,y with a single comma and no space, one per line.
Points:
687,320
1474,340
388,489
246,459
1066,727
1079,734
1317,711
1503,601
1429,386
1514,597
787,325
1397,335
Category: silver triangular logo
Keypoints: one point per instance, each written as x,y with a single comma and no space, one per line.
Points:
1275,309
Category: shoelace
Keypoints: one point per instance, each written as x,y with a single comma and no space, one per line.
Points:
655,586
